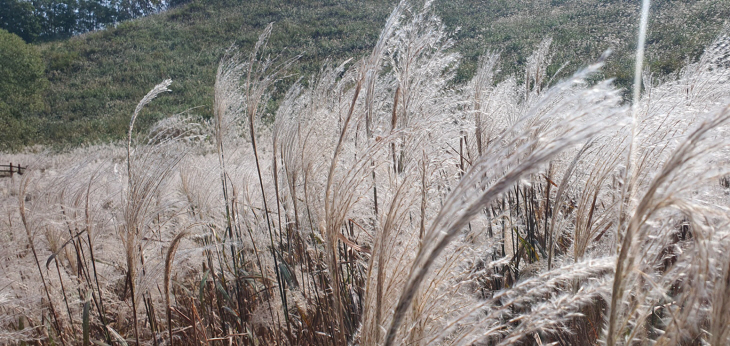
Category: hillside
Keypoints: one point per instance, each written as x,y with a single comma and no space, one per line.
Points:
96,79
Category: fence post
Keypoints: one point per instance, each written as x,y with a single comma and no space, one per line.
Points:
11,169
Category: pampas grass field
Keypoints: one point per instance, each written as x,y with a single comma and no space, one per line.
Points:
383,204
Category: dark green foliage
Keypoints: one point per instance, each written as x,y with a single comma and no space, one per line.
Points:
22,81
18,17
58,19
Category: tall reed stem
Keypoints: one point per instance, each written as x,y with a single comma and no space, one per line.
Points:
628,186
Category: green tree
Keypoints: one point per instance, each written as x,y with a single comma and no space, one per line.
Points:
18,17
22,81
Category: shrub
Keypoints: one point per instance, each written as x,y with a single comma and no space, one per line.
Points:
22,81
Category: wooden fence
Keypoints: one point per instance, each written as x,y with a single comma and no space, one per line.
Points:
10,170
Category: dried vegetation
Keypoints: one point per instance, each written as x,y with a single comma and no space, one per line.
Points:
385,205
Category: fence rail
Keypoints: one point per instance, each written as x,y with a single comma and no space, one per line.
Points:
11,169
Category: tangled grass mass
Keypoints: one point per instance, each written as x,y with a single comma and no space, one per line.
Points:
386,205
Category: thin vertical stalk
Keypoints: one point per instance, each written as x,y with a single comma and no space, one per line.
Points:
617,290
251,112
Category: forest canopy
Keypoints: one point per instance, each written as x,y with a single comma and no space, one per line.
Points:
53,19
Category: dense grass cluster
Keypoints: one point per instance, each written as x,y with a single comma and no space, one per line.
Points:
387,204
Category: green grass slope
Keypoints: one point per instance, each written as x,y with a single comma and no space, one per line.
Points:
96,79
